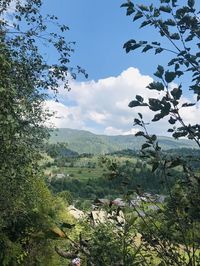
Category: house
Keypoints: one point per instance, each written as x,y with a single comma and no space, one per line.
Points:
59,176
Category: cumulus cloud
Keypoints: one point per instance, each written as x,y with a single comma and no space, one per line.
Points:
102,106
116,131
64,116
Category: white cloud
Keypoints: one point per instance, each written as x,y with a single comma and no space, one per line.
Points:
102,106
191,114
64,116
132,131
113,131
98,117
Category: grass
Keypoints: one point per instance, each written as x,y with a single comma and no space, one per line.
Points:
83,174
84,168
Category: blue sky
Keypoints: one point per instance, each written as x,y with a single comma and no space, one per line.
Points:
100,104
100,28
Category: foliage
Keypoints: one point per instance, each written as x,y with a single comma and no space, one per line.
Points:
109,242
180,26
110,245
66,196
178,222
26,205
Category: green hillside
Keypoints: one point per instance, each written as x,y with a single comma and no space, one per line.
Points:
86,142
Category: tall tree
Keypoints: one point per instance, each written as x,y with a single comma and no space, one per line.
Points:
26,208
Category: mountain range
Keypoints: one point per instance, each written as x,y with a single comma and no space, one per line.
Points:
86,142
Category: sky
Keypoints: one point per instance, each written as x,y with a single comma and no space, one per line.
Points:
100,28
100,103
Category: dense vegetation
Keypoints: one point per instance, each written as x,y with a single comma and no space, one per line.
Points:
28,211
98,176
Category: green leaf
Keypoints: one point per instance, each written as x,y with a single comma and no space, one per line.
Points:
191,3
138,15
156,43
130,42
124,5
155,85
169,76
146,48
175,36
170,22
188,104
130,10
131,45
129,4
156,12
145,23
189,38
137,121
154,137
182,53
177,66
179,73
177,135
166,9
134,104
140,115
173,61
139,98
176,93
143,8
172,120
135,46
145,145
160,71
158,50
157,117
165,107
139,133
155,104
151,7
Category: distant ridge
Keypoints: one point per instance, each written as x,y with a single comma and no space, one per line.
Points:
83,141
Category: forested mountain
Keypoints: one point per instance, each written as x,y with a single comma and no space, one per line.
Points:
86,142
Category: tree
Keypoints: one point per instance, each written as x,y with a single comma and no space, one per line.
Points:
108,242
180,26
178,23
26,205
